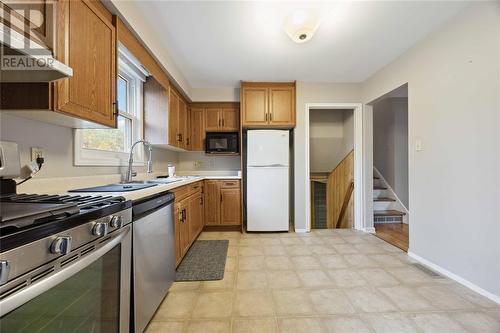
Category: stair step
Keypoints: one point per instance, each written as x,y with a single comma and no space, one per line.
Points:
388,213
378,187
375,177
384,199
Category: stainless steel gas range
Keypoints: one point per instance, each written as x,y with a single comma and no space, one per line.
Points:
65,263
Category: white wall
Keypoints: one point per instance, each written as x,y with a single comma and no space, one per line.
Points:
390,144
327,138
313,92
57,143
187,161
454,184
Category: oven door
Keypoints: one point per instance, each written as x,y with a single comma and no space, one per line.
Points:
90,294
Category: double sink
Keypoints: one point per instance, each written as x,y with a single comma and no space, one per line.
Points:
132,186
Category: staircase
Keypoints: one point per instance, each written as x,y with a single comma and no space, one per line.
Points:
386,207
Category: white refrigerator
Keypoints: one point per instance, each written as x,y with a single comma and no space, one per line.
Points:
267,180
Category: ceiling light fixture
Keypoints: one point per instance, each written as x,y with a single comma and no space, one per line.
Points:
301,25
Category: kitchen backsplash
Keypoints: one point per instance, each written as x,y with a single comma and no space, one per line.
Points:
199,161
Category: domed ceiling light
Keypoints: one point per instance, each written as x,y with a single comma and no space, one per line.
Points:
301,24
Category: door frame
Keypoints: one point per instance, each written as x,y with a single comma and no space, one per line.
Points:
359,196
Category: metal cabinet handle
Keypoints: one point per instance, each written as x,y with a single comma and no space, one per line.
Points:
201,200
223,122
270,116
221,197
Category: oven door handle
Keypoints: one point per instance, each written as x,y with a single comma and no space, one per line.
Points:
16,300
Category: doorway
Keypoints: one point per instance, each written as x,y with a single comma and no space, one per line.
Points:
390,167
357,160
331,147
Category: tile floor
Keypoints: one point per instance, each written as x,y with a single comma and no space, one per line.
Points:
324,281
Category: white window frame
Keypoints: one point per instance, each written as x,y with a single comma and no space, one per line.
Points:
132,71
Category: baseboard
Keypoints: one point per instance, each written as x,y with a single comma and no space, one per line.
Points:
301,231
370,230
222,228
455,277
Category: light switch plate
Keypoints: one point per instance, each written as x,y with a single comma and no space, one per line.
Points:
419,145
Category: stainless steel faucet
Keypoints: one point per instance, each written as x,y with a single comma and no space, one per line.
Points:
130,172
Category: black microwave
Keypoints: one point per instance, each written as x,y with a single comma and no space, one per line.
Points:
222,142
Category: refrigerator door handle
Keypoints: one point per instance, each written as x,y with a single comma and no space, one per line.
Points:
268,166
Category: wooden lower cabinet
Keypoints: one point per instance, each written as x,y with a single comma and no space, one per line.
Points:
222,202
188,215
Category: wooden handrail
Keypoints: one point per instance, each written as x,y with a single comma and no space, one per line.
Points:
342,160
347,197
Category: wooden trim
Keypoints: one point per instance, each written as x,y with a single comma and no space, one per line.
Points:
347,197
236,227
209,105
267,84
136,47
338,183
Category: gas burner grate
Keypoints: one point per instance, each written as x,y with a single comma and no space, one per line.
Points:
82,201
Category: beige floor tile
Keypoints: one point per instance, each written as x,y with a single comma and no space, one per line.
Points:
292,302
378,277
229,234
360,261
406,298
232,251
185,285
270,241
305,262
322,250
297,250
213,305
255,326
274,250
248,251
391,323
284,279
410,275
345,324
346,278
278,263
353,239
176,305
165,327
227,283
253,304
345,249
231,264
369,249
436,323
250,242
314,278
494,313
251,280
443,298
331,240
472,296
330,301
388,260
369,300
253,263
477,322
291,241
209,326
300,325
333,261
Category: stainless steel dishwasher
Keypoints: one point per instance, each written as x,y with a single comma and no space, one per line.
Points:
153,255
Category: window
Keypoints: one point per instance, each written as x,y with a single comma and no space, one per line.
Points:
111,146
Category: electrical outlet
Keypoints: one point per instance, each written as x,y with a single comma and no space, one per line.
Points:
197,164
36,152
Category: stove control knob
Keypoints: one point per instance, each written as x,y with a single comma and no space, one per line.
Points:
116,222
61,245
100,229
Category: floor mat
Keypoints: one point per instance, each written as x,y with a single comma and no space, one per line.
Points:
205,261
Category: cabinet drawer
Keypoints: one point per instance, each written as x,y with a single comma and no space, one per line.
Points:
195,188
181,193
230,184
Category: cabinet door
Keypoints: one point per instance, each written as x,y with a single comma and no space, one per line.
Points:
230,119
195,216
183,124
254,106
212,119
282,106
212,202
173,118
197,129
185,226
230,211
86,42
177,226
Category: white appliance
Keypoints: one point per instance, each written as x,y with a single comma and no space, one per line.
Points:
267,180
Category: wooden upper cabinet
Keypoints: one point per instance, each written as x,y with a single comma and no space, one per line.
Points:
183,124
230,207
267,105
230,119
282,106
212,119
86,42
155,112
254,106
212,202
197,129
173,118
